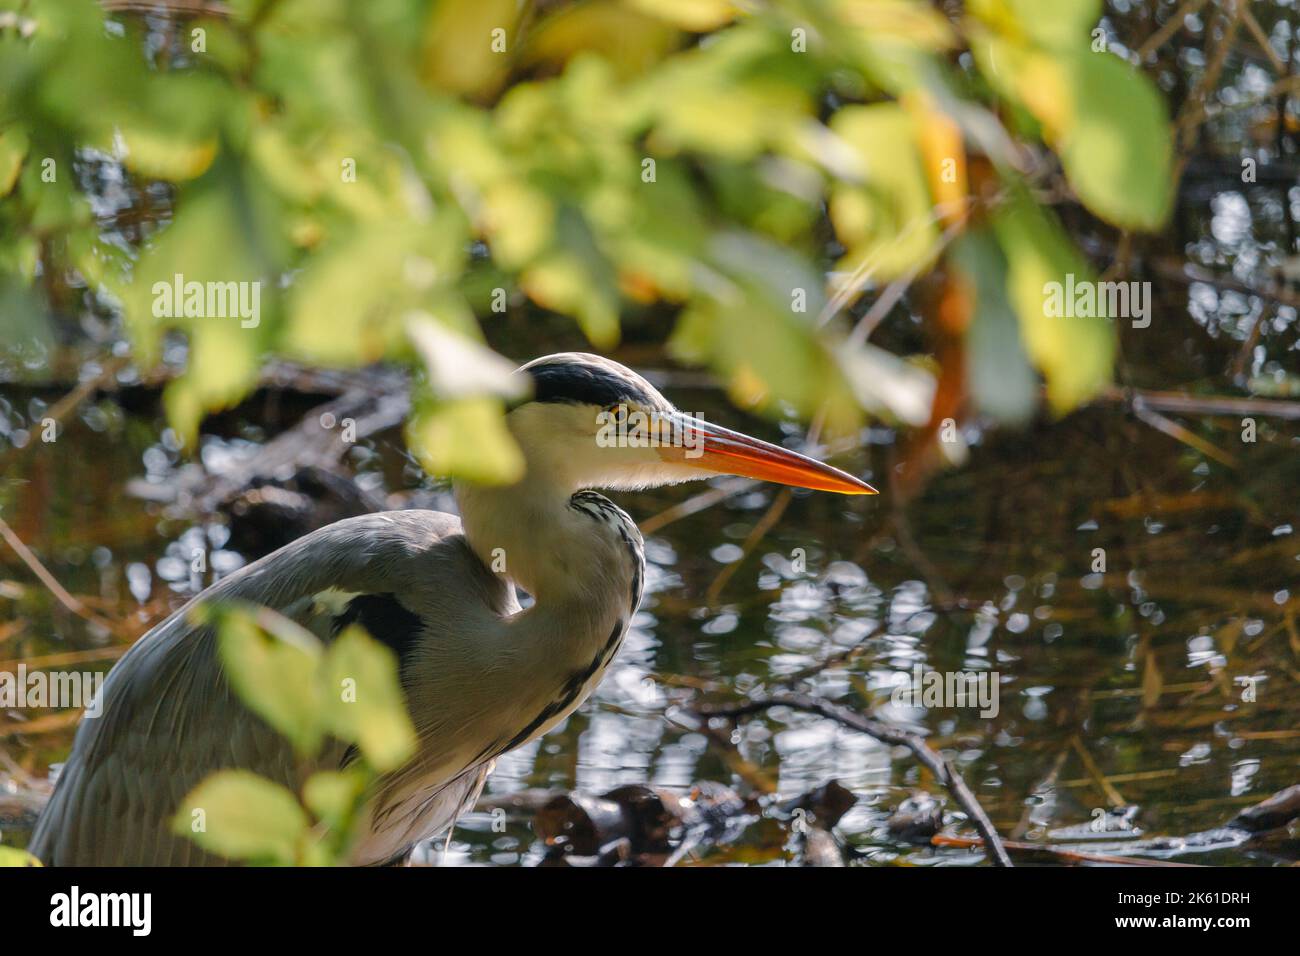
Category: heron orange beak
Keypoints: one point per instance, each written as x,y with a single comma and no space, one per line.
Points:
701,444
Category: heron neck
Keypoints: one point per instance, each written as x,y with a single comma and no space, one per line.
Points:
528,533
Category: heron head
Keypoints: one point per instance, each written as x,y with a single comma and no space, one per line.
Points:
593,423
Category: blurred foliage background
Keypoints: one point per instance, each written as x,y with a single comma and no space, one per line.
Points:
396,173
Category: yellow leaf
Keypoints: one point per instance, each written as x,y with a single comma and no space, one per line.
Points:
563,283
162,155
517,221
364,699
888,224
241,816
466,438
943,155
627,38
467,46
1074,352
913,21
13,148
698,16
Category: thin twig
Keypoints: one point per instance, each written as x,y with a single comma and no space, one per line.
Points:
1168,28
696,503
895,290
1180,404
65,658
756,534
46,578
1107,788
1176,431
1256,31
939,766
1194,111
838,659
1069,856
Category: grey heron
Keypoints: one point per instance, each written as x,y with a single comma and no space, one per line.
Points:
481,675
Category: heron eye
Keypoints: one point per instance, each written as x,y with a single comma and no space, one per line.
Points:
618,413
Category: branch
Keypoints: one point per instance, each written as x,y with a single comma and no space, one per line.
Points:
51,583
1178,403
931,760
1168,29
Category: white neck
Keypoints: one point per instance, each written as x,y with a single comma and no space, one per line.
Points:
582,566
526,532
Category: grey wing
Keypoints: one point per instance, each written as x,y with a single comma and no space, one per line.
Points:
168,718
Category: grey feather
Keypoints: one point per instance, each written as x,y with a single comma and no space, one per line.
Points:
128,772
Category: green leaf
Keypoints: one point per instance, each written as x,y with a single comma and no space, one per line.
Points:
241,816
1074,353
758,327
465,438
1001,380
629,39
163,154
1106,121
577,285
210,273
459,53
699,16
13,148
888,224
518,221
26,320
333,796
224,365
364,699
1117,148
276,678
1061,24
348,306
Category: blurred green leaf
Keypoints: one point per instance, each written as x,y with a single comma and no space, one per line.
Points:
1118,148
888,224
222,293
462,53
629,39
13,149
26,322
1001,380
365,283
1107,122
465,437
365,702
578,285
333,796
277,679
1074,353
759,328
1064,24
244,817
